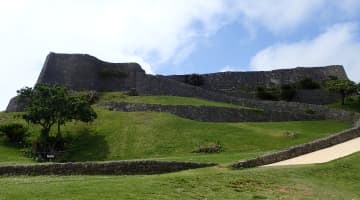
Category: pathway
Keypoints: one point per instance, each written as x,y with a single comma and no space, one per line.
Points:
324,155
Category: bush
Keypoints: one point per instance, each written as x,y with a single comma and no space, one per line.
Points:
267,94
209,148
92,97
310,111
14,132
308,84
132,92
51,146
194,79
287,93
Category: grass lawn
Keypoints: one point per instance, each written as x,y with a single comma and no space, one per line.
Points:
335,180
146,135
164,100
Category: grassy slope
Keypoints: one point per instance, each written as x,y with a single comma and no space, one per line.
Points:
336,180
165,100
118,135
138,135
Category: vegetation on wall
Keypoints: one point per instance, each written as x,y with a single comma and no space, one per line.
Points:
194,79
308,84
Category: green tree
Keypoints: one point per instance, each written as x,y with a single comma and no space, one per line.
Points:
344,87
48,105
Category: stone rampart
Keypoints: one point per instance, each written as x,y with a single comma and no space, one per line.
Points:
215,114
275,78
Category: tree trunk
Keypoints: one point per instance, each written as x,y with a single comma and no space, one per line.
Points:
58,129
342,98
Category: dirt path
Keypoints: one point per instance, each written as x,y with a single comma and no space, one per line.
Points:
324,155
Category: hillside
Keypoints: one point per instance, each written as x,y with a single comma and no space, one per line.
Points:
335,180
145,135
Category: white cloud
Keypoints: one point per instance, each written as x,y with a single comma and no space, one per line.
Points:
149,32
277,15
339,44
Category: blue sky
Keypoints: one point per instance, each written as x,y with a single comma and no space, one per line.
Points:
178,36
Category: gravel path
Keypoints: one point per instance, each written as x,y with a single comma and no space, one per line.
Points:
324,155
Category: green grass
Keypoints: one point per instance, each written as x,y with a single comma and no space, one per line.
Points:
351,104
146,135
335,180
164,100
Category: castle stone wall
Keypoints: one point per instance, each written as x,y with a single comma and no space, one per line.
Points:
244,80
84,72
216,114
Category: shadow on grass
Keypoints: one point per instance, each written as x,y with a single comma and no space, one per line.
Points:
86,145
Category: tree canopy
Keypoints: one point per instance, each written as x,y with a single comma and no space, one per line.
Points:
344,87
48,105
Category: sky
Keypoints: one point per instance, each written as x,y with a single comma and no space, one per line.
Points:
178,36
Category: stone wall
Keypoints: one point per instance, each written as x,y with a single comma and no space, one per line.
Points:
300,149
85,72
244,80
318,96
215,114
101,168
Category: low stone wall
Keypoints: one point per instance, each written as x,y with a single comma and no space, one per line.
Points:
214,114
299,149
102,168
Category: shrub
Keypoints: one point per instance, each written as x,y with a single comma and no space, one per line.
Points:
310,111
42,148
14,132
209,148
132,92
309,84
194,79
92,97
287,93
267,94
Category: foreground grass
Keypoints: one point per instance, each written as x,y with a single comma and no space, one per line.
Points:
164,100
335,180
145,135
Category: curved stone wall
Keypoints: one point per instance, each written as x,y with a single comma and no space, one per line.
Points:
299,149
102,168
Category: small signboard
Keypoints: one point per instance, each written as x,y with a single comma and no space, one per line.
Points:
50,156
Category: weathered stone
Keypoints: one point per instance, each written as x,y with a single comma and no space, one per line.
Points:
216,114
15,106
102,168
85,72
244,80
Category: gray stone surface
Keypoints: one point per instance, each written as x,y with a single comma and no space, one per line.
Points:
299,149
215,114
241,80
318,96
102,168
85,72
15,106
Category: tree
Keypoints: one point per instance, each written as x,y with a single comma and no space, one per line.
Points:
344,87
48,105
